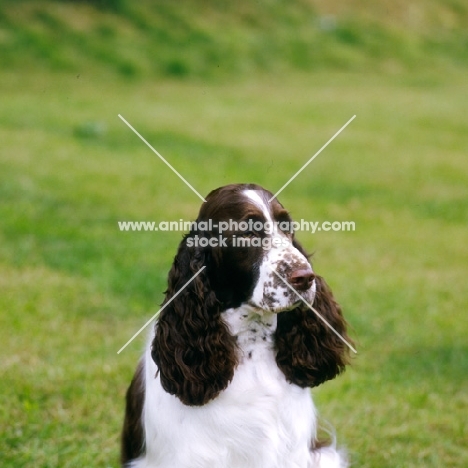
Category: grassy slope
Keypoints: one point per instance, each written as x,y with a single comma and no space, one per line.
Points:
74,289
211,38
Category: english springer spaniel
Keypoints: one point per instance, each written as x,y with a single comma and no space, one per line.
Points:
224,382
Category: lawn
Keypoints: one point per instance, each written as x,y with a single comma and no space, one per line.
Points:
74,289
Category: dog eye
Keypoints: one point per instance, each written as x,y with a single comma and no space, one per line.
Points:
250,234
285,225
286,228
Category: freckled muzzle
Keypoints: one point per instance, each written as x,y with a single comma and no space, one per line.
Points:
284,273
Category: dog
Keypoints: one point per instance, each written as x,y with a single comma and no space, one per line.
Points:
225,379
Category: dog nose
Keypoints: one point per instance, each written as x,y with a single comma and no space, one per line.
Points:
301,279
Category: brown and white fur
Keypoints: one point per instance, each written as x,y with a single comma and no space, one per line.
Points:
224,382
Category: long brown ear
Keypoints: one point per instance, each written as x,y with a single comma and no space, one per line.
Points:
193,348
308,352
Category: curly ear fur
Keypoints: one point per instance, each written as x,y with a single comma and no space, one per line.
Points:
193,348
308,352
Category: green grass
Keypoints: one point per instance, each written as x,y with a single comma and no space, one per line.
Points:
211,40
73,289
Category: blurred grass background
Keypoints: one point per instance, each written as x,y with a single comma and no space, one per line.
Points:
232,92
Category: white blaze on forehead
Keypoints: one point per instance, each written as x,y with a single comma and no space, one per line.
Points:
268,294
257,200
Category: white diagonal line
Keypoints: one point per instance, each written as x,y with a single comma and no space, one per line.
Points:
312,158
160,157
313,310
161,309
